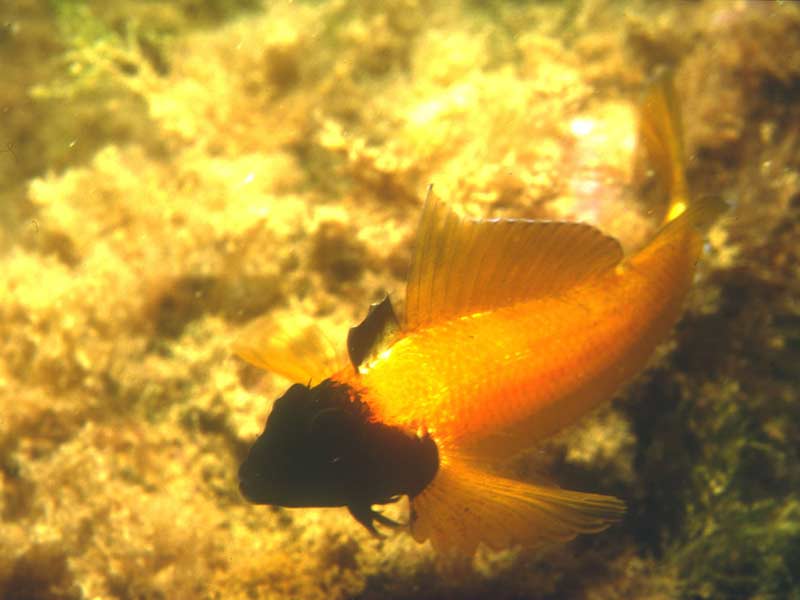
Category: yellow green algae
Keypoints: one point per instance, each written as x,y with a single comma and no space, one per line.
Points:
169,171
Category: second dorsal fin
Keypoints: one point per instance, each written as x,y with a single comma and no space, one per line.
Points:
463,266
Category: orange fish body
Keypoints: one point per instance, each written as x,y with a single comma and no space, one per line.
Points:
513,330
480,373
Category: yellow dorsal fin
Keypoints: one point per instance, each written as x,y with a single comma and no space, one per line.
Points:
465,506
463,266
293,348
661,133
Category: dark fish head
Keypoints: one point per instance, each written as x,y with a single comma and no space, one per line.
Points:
308,453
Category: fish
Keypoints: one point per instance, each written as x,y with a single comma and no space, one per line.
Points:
512,330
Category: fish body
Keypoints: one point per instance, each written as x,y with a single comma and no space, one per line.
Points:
483,372
512,330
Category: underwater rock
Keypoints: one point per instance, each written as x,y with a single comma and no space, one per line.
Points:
182,173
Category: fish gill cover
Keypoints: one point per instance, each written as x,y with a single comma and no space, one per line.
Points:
171,170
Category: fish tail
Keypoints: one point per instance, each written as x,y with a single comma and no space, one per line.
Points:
687,219
465,506
662,135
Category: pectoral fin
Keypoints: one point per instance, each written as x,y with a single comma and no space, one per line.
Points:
367,516
294,348
373,334
465,506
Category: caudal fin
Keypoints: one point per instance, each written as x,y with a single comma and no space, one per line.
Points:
465,506
661,133
687,219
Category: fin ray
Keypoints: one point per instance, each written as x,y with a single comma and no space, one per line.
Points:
463,266
661,133
464,507
295,348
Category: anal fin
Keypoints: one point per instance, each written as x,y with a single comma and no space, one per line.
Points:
464,507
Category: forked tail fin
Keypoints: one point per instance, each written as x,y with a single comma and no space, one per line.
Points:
465,506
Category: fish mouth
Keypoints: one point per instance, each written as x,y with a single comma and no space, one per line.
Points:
247,492
252,488
257,489
252,485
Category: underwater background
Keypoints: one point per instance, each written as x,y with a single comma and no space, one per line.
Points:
171,170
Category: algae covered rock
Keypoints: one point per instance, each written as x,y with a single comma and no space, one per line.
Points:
170,171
